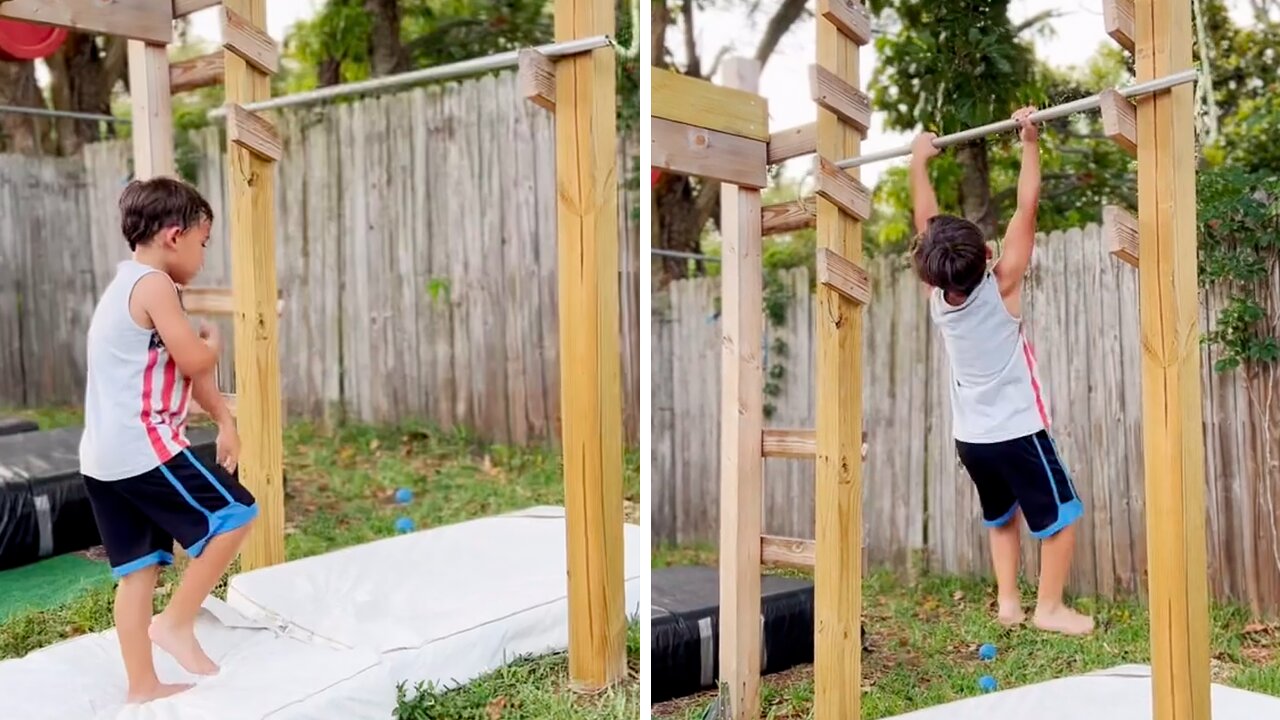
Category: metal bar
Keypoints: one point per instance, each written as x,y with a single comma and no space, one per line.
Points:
46,112
683,255
438,73
1051,113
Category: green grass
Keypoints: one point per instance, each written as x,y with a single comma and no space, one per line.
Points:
49,583
924,639
340,487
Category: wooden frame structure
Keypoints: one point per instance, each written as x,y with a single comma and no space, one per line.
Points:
581,90
719,133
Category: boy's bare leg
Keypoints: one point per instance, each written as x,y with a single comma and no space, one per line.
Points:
174,630
1055,562
1005,553
133,616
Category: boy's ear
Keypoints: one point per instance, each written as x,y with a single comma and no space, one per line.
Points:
169,235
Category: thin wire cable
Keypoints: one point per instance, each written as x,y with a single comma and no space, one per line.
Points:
46,112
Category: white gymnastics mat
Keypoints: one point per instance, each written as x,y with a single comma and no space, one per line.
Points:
1118,693
264,674
443,605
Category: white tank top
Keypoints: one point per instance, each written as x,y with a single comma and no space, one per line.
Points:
996,393
136,399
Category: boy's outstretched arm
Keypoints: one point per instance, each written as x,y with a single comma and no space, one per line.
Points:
156,298
1020,236
924,202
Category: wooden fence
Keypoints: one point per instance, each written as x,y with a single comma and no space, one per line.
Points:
416,257
1082,315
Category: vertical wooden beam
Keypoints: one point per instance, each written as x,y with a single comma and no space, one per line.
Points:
1173,441
741,429
252,232
591,366
152,110
838,570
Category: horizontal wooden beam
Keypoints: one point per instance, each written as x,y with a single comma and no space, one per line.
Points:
538,79
253,132
792,143
1119,120
848,102
697,102
1117,19
843,189
690,150
249,42
843,276
197,72
134,19
801,444
197,412
849,17
182,8
788,216
1120,231
788,552
213,301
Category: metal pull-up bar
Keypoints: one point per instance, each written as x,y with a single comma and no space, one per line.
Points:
1052,113
498,61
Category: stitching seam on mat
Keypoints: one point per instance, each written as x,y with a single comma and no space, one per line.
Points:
326,687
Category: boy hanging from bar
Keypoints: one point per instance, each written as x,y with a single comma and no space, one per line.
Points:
999,412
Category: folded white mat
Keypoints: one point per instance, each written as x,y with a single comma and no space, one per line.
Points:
264,674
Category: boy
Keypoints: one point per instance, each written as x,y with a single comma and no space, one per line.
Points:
999,415
147,489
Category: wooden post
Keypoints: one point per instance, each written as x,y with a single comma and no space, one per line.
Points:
591,364
251,231
838,565
741,426
1173,440
152,110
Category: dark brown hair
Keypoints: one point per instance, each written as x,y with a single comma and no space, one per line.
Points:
149,206
951,254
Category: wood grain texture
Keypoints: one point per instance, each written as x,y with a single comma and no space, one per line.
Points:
249,41
182,8
538,79
590,371
792,142
253,132
850,18
152,110
145,20
1118,22
196,73
693,101
843,276
850,104
1120,232
788,216
1119,120
779,443
787,552
842,190
692,150
1173,440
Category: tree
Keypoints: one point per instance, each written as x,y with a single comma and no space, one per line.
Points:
20,133
683,206
84,74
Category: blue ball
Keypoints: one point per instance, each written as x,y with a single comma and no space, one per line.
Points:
987,652
987,683
404,525
404,495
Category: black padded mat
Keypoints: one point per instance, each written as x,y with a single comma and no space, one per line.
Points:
685,640
15,425
44,509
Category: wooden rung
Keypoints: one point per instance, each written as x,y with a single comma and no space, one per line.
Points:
788,216
1119,120
788,552
538,79
197,72
253,132
843,276
848,102
1120,229
789,443
198,412
213,301
842,189
182,8
249,42
703,104
792,143
849,17
691,150
1117,19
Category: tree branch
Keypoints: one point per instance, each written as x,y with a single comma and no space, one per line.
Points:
715,64
660,18
708,201
785,16
694,66
1035,20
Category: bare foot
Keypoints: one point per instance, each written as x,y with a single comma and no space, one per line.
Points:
155,692
181,643
1010,612
1063,619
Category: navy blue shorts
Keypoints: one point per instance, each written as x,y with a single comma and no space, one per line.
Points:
139,518
1024,472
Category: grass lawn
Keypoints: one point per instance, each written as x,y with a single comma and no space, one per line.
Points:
924,641
340,486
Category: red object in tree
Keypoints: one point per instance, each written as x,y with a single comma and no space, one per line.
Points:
655,176
28,41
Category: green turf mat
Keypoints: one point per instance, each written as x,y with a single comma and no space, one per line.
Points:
49,583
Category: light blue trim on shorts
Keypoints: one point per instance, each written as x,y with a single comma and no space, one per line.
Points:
158,557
